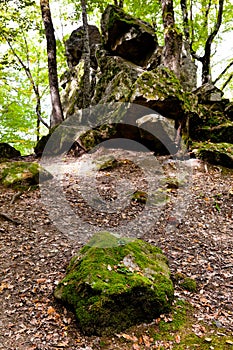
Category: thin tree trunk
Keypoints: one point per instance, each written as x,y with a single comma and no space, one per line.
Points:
206,58
57,114
87,58
173,39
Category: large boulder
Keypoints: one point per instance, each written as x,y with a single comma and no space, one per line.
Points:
128,37
161,91
114,283
208,93
7,151
132,122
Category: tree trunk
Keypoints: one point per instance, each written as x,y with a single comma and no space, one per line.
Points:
173,39
57,114
206,58
86,58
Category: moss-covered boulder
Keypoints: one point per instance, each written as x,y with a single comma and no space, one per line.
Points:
161,91
7,151
114,283
215,153
21,175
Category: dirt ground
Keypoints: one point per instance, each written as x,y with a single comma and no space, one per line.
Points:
194,228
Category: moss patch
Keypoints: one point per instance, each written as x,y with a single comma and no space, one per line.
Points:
106,162
178,330
21,175
116,284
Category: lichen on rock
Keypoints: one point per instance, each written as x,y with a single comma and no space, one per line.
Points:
114,283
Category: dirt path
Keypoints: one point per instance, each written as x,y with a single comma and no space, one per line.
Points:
197,239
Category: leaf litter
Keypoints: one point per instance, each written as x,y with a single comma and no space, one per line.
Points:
34,255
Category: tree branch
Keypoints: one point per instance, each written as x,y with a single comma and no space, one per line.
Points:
8,218
223,72
227,81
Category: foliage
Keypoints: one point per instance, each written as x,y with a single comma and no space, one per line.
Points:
22,71
22,35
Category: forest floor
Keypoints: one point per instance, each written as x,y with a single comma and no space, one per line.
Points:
197,238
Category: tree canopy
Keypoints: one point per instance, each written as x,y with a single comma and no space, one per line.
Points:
204,25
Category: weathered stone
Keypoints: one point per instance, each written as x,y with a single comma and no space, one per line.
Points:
208,93
127,37
22,175
124,121
72,93
188,74
161,91
155,127
59,140
215,153
74,45
155,59
7,151
105,162
40,146
114,283
115,79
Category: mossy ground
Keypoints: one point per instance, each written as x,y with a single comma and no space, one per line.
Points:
178,330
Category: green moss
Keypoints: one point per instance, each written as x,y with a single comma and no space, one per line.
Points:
189,284
139,197
115,284
19,174
177,328
185,282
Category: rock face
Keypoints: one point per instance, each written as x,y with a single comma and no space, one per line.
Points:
127,37
7,151
213,123
130,70
74,46
114,283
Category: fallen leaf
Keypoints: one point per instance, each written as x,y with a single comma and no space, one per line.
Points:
41,280
129,337
208,340
3,286
177,338
146,341
50,310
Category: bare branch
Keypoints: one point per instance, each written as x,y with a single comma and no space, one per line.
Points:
227,81
223,72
